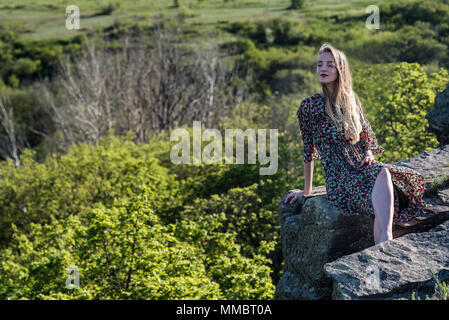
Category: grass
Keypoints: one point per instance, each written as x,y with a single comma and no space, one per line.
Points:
43,19
441,291
438,183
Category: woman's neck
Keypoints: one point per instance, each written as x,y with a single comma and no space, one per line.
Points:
330,89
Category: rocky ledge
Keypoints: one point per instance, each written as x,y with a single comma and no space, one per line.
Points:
393,269
330,254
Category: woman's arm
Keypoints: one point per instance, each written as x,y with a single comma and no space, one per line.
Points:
308,177
306,125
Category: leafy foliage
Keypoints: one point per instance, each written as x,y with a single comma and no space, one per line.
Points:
138,226
397,107
97,208
64,186
405,128
24,60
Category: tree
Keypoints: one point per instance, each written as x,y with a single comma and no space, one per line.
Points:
142,90
101,209
124,252
12,142
396,98
296,4
401,119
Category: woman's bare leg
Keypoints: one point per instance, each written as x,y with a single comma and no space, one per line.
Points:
383,203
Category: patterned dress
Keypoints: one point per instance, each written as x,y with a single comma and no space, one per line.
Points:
348,184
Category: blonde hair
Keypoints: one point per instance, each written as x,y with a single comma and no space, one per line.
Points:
343,106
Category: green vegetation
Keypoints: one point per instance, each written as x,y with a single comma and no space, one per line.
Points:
105,209
438,183
297,4
24,60
136,225
441,290
401,126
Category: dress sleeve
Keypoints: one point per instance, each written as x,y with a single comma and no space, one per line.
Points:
306,125
368,138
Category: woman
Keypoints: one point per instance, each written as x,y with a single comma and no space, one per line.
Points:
336,130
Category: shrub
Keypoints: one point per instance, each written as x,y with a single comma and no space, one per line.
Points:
296,4
99,208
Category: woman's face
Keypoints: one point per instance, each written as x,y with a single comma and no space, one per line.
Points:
325,68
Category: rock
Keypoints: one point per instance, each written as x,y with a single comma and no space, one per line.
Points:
431,164
314,233
434,166
393,269
438,117
321,233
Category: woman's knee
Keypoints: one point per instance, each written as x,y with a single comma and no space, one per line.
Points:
383,178
385,173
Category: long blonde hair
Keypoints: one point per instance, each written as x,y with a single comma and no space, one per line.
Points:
343,106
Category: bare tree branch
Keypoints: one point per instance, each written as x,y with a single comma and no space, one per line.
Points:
9,146
143,90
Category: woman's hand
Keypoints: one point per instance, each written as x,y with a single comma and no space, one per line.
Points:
369,158
294,195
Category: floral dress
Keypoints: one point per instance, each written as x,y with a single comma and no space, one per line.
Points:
348,184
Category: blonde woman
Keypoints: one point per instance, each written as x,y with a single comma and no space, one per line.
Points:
335,129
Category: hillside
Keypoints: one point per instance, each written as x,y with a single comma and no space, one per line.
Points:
87,178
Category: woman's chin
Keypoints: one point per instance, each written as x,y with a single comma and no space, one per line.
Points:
324,81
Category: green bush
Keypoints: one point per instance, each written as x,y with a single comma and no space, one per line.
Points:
410,44
123,252
104,210
296,4
30,60
402,13
109,8
282,31
414,92
65,186
399,105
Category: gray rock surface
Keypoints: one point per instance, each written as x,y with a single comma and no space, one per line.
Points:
434,166
393,269
438,117
431,164
314,233
321,233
